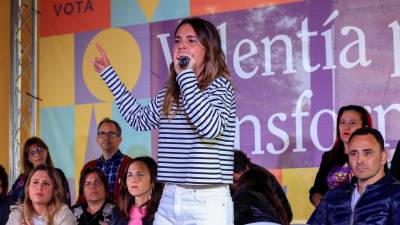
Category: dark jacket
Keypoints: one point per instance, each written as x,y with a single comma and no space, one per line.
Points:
395,164
251,207
85,218
378,205
280,193
5,204
327,164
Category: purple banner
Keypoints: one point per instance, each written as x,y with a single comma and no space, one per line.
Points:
294,65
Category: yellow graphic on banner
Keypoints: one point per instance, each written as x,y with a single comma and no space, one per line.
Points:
56,71
124,55
148,7
298,181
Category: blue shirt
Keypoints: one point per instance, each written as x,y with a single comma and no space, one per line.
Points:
110,168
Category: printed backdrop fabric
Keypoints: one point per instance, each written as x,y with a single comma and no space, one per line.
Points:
293,64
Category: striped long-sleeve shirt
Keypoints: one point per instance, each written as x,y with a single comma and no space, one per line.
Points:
196,144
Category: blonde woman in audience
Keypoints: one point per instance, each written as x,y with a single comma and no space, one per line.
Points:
43,201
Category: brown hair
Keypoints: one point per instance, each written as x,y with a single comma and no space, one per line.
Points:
257,179
214,61
27,166
126,200
55,202
108,120
103,178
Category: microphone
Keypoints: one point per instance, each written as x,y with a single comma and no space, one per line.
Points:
183,61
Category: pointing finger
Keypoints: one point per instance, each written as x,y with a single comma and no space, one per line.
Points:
101,51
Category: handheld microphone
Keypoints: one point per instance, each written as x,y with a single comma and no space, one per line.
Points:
183,61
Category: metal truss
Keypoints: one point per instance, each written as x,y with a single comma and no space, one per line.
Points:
23,87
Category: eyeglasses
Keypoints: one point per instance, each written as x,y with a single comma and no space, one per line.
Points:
110,134
38,151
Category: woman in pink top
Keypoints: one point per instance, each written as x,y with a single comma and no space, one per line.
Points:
140,194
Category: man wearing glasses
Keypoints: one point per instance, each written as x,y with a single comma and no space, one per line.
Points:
112,162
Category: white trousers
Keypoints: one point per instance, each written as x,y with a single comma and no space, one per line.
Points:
195,205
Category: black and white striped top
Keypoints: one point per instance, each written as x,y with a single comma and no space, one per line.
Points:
196,144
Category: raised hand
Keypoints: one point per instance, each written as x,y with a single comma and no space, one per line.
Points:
102,62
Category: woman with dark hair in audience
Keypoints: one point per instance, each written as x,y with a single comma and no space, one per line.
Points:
42,204
255,202
334,169
242,163
140,194
35,152
4,200
97,207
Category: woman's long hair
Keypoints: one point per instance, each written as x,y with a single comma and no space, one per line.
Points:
56,200
27,166
257,179
127,201
214,61
366,120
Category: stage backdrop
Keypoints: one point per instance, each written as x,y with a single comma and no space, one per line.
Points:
293,64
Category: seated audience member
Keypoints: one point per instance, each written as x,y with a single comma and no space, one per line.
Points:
334,170
140,194
395,163
242,164
255,202
96,208
35,153
4,200
112,162
374,198
42,204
